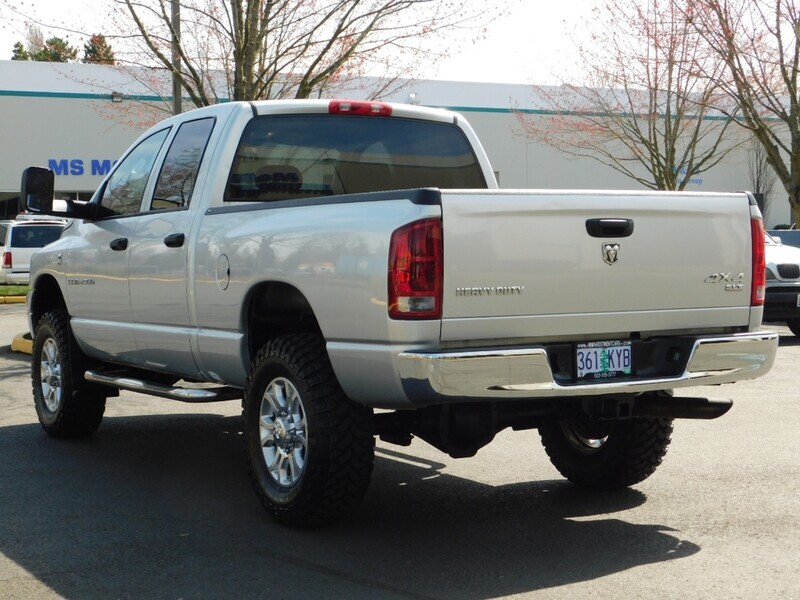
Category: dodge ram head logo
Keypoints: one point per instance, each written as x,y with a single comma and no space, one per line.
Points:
611,252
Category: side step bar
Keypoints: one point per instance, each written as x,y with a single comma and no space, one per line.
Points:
182,394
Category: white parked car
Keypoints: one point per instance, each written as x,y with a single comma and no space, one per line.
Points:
3,234
783,284
18,241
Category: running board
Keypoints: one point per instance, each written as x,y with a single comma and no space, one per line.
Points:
182,394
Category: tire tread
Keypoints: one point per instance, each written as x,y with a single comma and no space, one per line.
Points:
81,412
344,430
635,452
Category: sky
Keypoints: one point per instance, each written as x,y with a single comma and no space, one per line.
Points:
530,44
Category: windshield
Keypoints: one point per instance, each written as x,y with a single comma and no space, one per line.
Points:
301,156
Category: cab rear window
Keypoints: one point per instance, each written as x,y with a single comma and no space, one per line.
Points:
301,156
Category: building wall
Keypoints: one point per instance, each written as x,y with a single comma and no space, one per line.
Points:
63,116
64,133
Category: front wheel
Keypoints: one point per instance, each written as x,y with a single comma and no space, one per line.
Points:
610,454
66,405
310,449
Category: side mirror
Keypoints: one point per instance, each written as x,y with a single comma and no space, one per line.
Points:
38,186
38,191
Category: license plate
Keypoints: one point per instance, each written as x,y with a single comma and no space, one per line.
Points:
602,360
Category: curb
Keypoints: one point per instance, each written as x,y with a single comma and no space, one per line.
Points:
22,343
12,299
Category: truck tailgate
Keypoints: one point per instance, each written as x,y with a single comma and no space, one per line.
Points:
565,264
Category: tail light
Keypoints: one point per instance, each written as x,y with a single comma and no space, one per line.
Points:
359,107
759,263
415,271
7,260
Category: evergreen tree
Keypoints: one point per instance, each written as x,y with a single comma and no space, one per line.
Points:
20,53
97,51
56,50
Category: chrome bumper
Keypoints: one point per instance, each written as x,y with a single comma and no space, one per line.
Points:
525,373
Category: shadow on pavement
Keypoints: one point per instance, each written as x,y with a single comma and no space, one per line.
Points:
6,353
161,506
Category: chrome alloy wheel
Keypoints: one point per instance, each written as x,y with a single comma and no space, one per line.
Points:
50,375
282,431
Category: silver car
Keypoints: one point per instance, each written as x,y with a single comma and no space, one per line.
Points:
783,284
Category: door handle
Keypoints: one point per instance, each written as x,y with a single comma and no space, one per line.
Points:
174,240
119,244
608,228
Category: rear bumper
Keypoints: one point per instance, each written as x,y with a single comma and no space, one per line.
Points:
443,377
18,278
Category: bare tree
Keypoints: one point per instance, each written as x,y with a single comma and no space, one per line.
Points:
759,44
34,38
643,111
760,175
287,48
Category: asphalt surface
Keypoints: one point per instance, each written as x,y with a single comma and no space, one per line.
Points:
158,505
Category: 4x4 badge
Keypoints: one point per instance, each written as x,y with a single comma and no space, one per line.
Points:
611,252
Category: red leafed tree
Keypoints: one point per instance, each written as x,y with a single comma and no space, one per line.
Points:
644,107
758,42
252,49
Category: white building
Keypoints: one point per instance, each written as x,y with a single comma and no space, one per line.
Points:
77,119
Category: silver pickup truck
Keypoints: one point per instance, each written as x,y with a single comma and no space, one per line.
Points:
351,270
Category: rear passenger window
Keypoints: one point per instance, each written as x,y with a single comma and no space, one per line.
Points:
301,156
179,172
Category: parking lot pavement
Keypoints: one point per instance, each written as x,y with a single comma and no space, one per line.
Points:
158,505
14,326
12,322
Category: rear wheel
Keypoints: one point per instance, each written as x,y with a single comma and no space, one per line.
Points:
608,454
66,405
310,449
